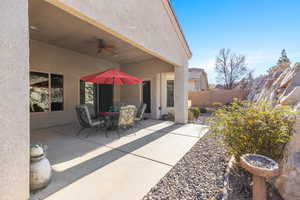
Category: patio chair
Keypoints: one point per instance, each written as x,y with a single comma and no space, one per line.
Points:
86,121
91,109
140,114
126,117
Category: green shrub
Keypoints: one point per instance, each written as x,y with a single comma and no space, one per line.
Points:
250,127
171,117
168,117
203,110
196,112
211,110
217,104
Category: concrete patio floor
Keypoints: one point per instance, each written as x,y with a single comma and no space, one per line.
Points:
100,167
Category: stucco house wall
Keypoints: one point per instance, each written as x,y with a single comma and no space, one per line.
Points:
72,65
14,113
146,70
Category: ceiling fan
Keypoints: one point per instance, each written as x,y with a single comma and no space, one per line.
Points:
103,46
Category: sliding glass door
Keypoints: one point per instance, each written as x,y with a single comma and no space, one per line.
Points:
101,96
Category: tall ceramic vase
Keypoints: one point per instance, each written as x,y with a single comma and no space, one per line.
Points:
40,168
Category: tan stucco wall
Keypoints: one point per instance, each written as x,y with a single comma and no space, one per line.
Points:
144,22
14,113
146,70
52,59
209,97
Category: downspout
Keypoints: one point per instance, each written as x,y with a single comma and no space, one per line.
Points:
160,96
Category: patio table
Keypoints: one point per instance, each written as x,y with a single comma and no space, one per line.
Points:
108,113
110,118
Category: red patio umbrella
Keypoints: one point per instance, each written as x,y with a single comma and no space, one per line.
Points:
111,76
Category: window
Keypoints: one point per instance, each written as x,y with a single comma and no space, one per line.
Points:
170,93
46,92
57,92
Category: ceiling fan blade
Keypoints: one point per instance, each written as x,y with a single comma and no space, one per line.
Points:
110,50
110,47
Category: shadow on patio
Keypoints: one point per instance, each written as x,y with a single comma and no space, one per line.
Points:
74,157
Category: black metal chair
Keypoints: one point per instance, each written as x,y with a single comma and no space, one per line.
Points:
86,121
91,109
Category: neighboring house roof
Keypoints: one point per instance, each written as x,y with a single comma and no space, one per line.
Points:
196,69
199,77
195,73
178,28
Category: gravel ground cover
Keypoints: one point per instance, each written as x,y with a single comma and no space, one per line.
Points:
199,175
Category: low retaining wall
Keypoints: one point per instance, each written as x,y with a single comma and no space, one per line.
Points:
209,97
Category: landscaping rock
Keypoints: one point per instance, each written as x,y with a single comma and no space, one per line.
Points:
292,98
289,180
199,175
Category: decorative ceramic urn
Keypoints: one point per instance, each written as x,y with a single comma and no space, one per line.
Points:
40,168
260,167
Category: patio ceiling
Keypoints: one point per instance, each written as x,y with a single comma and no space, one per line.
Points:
54,26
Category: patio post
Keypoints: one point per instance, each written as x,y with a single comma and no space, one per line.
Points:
181,94
14,103
158,97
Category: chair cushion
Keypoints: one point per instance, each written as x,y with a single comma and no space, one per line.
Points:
97,122
83,115
91,109
127,115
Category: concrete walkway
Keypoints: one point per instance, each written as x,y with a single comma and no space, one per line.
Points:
97,167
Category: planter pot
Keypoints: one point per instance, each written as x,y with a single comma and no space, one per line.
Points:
40,172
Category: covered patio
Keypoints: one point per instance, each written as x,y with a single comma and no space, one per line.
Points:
100,167
65,47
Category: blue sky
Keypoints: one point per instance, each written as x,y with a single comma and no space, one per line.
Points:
258,29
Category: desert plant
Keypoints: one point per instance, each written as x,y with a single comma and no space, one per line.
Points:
250,127
203,110
217,104
168,117
196,112
211,109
